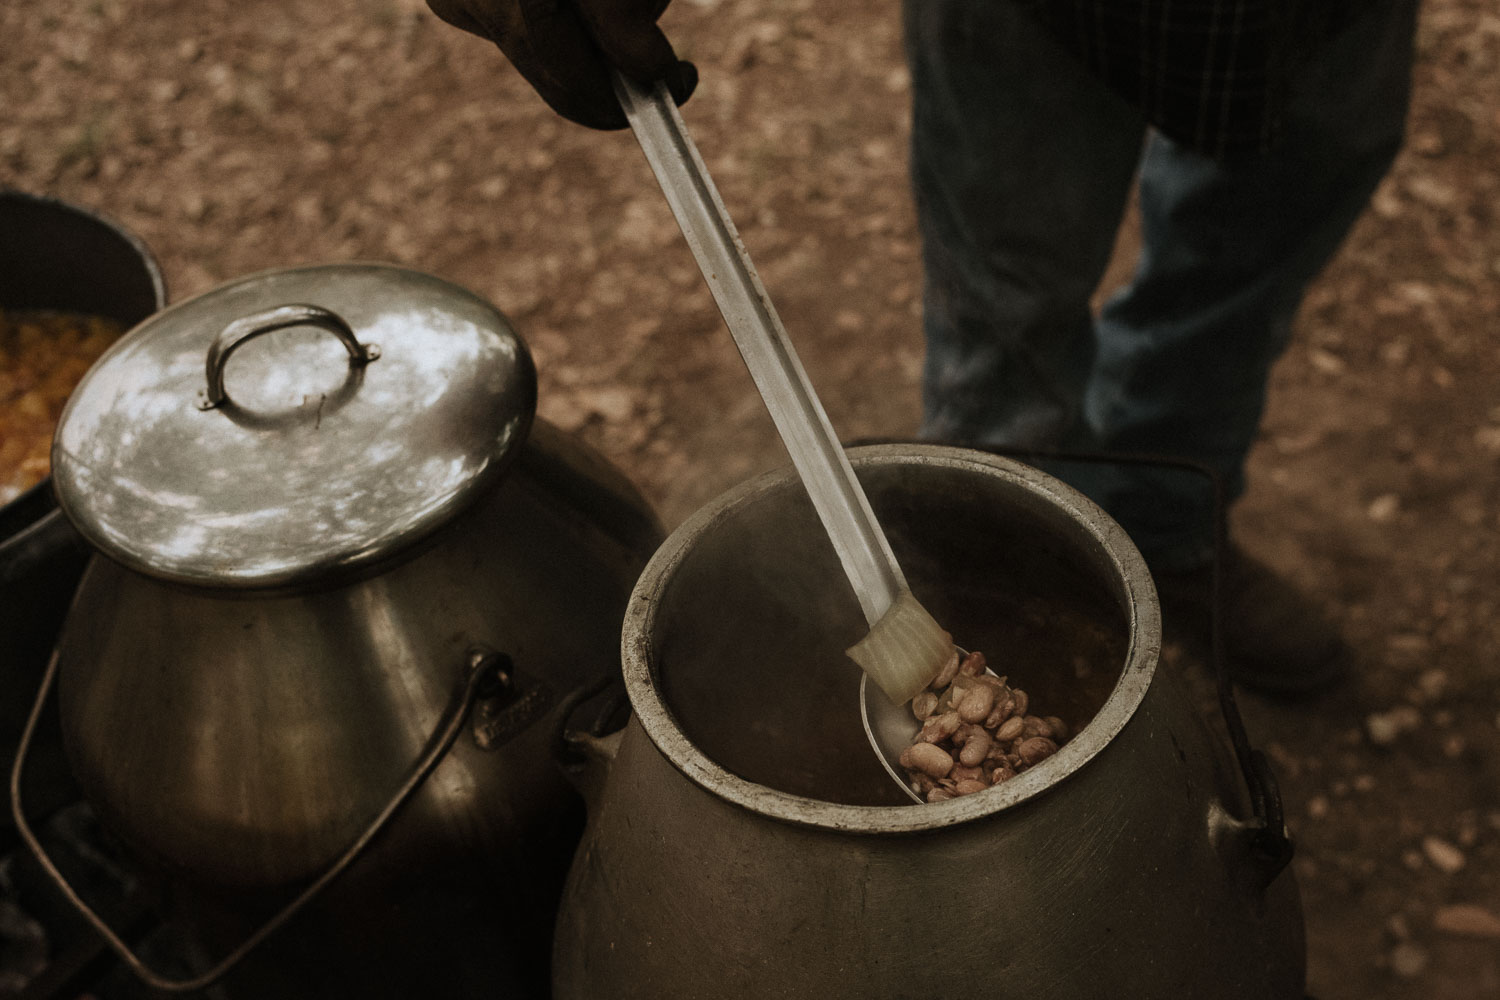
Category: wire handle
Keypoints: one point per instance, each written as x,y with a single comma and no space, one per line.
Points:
478,667
1270,841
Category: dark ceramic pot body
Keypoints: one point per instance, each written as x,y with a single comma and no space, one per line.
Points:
53,255
744,842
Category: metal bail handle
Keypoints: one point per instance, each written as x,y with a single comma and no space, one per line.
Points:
479,666
249,327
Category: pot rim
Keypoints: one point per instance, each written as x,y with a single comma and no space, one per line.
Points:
150,266
1143,620
37,503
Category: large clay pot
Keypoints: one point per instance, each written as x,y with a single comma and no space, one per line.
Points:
743,841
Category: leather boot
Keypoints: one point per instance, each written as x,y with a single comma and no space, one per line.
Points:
1276,640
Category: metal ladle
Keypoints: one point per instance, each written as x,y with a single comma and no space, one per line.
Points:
816,454
890,729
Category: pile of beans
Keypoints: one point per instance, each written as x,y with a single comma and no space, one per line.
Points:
42,357
976,732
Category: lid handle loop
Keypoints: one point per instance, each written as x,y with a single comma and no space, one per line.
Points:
249,327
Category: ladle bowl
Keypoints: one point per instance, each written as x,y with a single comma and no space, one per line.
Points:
891,727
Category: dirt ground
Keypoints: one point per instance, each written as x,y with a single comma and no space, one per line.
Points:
234,137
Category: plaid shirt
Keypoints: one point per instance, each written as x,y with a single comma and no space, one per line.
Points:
1211,74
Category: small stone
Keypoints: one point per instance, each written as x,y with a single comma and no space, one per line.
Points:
194,206
164,91
1387,202
1407,960
1412,859
1317,807
1326,362
1385,727
567,410
1417,293
1383,509
613,403
1427,143
1467,920
1488,438
1364,782
1396,352
1432,191
1444,856
1409,643
1433,683
1397,927
1454,747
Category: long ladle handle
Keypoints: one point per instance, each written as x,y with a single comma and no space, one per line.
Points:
762,341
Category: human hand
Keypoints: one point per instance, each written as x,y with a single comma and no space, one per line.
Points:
566,49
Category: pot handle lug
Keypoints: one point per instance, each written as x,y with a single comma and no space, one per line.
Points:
586,756
478,670
597,757
1270,843
249,327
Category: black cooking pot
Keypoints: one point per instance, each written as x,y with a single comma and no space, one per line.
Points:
52,256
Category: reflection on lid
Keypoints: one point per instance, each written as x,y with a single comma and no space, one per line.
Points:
312,464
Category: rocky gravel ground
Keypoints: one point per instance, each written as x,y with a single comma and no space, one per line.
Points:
235,137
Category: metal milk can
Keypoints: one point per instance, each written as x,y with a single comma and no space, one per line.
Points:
744,842
346,589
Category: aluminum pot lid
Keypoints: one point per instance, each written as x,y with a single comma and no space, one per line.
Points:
293,428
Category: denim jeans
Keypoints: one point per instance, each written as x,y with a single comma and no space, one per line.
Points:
1022,165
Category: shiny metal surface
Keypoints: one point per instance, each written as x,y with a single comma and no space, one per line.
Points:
239,742
247,328
313,471
246,740
788,394
905,647
756,836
